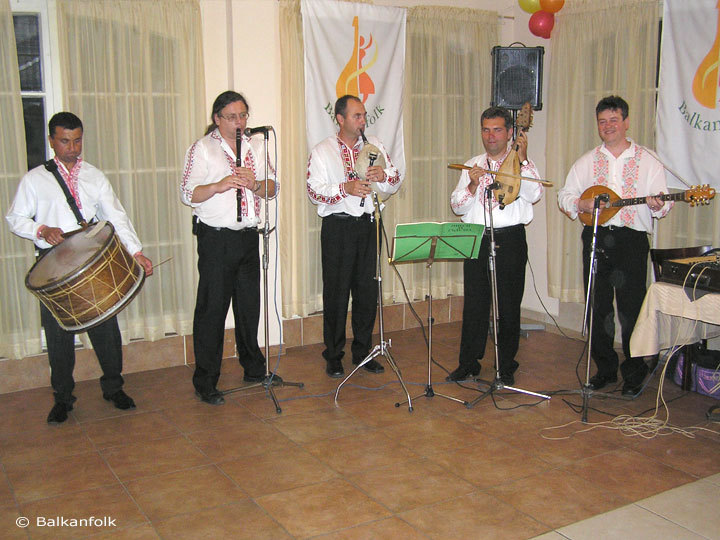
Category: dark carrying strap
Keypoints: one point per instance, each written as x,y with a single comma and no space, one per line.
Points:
51,166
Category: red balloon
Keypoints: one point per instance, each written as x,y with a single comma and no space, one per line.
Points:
541,23
551,6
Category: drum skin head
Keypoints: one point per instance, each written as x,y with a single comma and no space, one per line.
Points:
73,254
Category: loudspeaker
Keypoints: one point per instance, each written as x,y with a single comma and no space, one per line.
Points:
517,77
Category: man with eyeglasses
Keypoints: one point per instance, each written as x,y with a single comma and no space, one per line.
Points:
348,235
225,224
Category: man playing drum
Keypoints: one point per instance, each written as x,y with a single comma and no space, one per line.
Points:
348,236
41,213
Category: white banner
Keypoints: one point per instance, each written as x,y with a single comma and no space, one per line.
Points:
356,49
688,117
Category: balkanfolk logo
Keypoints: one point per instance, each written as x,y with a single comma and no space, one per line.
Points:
707,76
354,79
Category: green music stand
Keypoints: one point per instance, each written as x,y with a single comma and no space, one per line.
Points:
430,242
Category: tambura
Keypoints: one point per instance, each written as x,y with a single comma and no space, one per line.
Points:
87,278
369,155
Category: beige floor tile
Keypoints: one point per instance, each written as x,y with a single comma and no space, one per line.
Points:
357,453
111,502
153,457
550,536
629,473
6,494
312,426
321,508
180,492
243,520
411,484
476,515
141,532
277,471
697,456
557,498
124,430
693,506
390,528
31,481
9,530
222,444
43,443
488,463
627,522
195,415
431,435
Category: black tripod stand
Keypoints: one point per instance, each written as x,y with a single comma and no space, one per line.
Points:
382,348
497,383
270,379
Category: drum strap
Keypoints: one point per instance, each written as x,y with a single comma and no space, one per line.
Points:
51,166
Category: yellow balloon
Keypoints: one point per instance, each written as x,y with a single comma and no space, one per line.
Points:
531,6
551,6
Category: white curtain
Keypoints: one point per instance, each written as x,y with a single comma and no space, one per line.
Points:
599,48
133,72
447,86
19,315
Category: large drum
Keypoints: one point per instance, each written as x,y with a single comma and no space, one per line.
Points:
87,278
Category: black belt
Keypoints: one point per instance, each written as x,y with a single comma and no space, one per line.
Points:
221,229
343,215
503,230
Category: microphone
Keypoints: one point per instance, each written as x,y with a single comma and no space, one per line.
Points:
494,185
249,132
603,197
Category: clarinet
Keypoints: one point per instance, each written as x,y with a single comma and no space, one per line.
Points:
372,157
238,163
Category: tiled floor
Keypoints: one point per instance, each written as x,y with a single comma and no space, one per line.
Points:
177,468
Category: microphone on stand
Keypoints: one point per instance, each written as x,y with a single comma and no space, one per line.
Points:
249,132
238,163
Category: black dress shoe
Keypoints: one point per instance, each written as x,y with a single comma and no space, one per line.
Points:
373,366
631,389
121,400
214,397
276,379
463,373
600,381
335,369
58,414
508,379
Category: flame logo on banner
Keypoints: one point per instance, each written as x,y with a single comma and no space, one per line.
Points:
354,79
705,83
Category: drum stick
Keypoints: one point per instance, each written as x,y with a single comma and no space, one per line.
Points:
163,262
459,167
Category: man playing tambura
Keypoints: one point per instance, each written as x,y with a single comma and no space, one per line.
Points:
348,235
41,213
630,171
468,200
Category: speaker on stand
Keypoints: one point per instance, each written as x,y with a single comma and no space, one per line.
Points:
516,80
517,77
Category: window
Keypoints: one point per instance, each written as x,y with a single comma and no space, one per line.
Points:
32,39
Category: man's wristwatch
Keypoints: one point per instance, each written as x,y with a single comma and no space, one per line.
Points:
524,162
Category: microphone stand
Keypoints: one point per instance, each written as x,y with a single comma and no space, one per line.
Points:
270,379
497,383
383,348
586,392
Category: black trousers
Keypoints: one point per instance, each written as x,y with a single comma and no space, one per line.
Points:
106,341
621,275
348,266
510,260
229,268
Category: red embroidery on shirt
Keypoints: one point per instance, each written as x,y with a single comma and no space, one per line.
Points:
71,178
